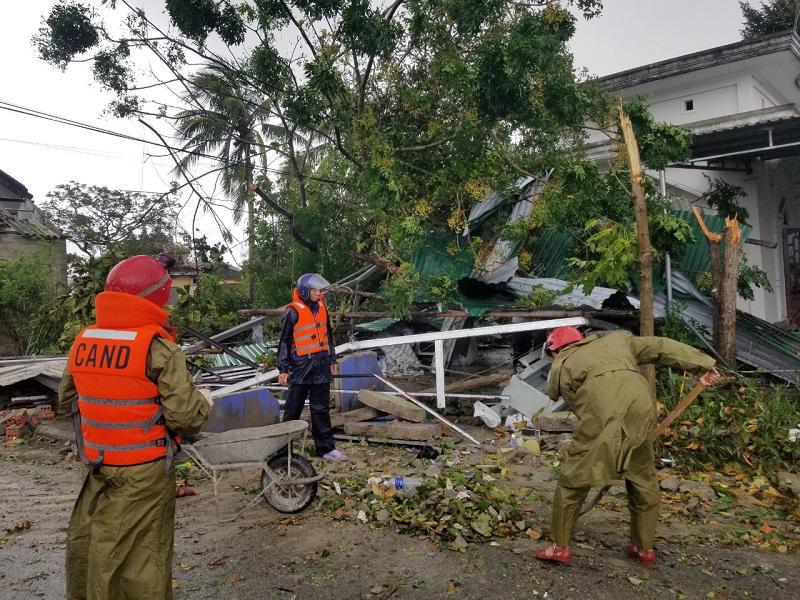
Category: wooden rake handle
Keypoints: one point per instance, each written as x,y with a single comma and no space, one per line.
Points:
678,410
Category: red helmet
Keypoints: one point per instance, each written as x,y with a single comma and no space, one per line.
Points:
142,276
560,337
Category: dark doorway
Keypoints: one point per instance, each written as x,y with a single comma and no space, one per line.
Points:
791,266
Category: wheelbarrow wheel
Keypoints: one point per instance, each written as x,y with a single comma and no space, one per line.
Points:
292,498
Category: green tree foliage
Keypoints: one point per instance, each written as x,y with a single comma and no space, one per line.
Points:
210,307
27,290
67,32
725,197
416,103
745,425
539,296
750,277
99,220
773,16
596,206
87,279
107,226
211,304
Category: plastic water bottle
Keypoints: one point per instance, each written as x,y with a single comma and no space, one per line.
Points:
401,484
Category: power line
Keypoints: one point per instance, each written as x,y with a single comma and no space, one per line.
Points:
31,112
94,152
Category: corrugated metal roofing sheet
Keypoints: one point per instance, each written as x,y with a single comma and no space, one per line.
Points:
758,343
434,260
377,326
553,248
522,286
251,351
15,373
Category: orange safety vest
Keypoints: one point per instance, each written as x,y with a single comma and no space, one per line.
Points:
119,419
311,330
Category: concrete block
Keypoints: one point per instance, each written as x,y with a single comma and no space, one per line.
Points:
360,414
393,405
398,430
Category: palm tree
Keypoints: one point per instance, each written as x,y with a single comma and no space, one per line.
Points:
228,121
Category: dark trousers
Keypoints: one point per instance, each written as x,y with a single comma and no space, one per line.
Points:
319,402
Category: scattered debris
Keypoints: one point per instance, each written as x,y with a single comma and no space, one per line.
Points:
456,508
21,422
395,429
21,526
338,419
392,405
670,484
486,414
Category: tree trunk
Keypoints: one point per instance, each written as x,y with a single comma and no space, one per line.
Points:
645,252
715,250
724,274
251,239
727,294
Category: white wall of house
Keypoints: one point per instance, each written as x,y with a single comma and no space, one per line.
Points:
725,90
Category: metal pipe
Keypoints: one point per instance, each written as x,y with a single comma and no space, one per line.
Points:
744,152
253,322
430,410
414,339
668,270
283,388
438,359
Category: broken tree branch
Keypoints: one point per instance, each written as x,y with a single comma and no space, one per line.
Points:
375,260
645,252
710,235
298,237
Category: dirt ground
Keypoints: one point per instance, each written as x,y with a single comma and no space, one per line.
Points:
265,554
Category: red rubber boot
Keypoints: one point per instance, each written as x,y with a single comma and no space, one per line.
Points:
558,554
646,557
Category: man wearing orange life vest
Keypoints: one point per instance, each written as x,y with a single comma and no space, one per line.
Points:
128,388
307,359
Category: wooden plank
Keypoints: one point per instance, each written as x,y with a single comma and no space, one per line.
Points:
492,380
360,414
555,422
392,405
399,430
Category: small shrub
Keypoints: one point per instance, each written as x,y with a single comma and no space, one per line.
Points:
539,296
745,424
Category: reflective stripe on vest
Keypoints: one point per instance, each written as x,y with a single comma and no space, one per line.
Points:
311,331
121,419
109,334
127,447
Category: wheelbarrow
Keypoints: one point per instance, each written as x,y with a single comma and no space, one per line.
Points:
288,481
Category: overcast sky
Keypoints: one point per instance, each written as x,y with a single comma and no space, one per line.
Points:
43,154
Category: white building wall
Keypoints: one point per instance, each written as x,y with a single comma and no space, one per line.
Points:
686,186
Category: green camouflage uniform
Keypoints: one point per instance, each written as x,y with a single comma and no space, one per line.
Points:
599,379
120,535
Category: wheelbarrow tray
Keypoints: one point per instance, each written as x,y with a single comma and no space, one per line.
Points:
247,445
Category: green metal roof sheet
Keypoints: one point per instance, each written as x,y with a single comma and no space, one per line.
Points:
434,260
552,249
251,351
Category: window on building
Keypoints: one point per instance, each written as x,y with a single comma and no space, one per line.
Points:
688,105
